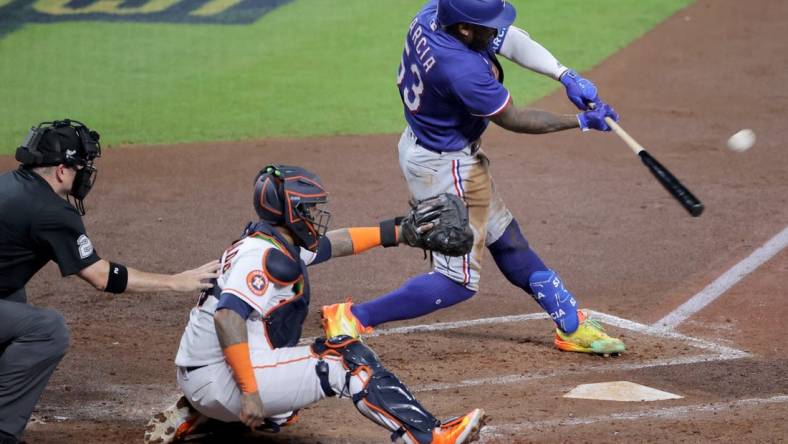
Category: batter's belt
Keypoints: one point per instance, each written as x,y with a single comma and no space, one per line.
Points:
471,149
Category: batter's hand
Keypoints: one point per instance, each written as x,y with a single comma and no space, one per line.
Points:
595,118
252,410
582,92
196,279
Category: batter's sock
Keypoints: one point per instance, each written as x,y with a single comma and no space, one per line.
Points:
515,258
419,296
523,268
555,300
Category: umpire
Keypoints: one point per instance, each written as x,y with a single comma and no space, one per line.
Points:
40,220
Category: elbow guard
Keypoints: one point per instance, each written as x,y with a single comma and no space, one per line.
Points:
117,279
526,52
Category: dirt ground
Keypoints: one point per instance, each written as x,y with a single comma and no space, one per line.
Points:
589,208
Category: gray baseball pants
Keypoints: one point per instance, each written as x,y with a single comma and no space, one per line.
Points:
32,342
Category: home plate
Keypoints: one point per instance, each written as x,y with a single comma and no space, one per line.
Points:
619,391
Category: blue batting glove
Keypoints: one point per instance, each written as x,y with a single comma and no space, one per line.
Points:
595,118
579,90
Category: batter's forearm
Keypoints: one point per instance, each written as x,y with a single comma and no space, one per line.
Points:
534,121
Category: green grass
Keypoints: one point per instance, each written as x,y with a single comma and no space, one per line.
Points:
311,67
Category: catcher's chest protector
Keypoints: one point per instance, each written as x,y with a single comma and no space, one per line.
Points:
284,323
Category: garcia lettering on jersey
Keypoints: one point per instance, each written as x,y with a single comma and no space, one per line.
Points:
447,89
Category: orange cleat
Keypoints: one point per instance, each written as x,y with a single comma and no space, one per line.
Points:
338,320
460,430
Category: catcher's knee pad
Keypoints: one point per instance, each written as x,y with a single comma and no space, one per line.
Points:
556,300
383,398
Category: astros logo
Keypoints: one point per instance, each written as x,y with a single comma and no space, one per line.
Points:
257,282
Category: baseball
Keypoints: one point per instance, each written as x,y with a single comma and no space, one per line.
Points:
741,141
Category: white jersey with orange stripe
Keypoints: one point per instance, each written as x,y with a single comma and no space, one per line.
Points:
243,276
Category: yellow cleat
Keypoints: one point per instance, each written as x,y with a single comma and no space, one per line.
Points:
589,337
338,320
461,430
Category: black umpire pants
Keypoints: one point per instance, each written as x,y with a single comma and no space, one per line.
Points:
32,342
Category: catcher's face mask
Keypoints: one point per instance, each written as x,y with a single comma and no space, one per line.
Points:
293,197
304,211
315,216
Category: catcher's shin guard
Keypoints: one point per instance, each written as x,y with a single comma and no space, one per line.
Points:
379,395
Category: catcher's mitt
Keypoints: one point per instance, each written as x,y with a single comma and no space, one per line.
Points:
439,224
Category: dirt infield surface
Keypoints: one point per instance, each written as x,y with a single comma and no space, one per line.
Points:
624,247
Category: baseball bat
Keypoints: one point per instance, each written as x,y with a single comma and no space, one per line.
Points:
663,175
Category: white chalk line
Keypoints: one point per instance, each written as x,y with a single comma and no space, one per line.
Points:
136,409
602,317
725,281
727,352
718,352
441,326
600,368
490,433
662,328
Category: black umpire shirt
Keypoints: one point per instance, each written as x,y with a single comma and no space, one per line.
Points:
36,226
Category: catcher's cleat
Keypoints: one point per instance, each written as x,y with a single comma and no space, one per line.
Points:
460,430
589,337
174,423
338,320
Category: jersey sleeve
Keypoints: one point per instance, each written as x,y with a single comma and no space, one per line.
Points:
232,302
322,254
247,281
480,93
60,229
497,42
307,256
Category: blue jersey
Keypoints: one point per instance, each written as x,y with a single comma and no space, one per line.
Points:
448,90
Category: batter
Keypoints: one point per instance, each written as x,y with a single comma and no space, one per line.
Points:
451,86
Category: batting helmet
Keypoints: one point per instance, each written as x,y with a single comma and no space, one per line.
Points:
490,13
289,196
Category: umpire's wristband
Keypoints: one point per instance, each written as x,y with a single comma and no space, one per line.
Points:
118,278
389,233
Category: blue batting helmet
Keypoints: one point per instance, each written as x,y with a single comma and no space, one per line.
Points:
490,13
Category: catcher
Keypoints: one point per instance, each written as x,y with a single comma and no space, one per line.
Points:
238,358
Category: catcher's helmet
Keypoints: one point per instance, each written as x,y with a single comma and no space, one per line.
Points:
490,13
289,196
